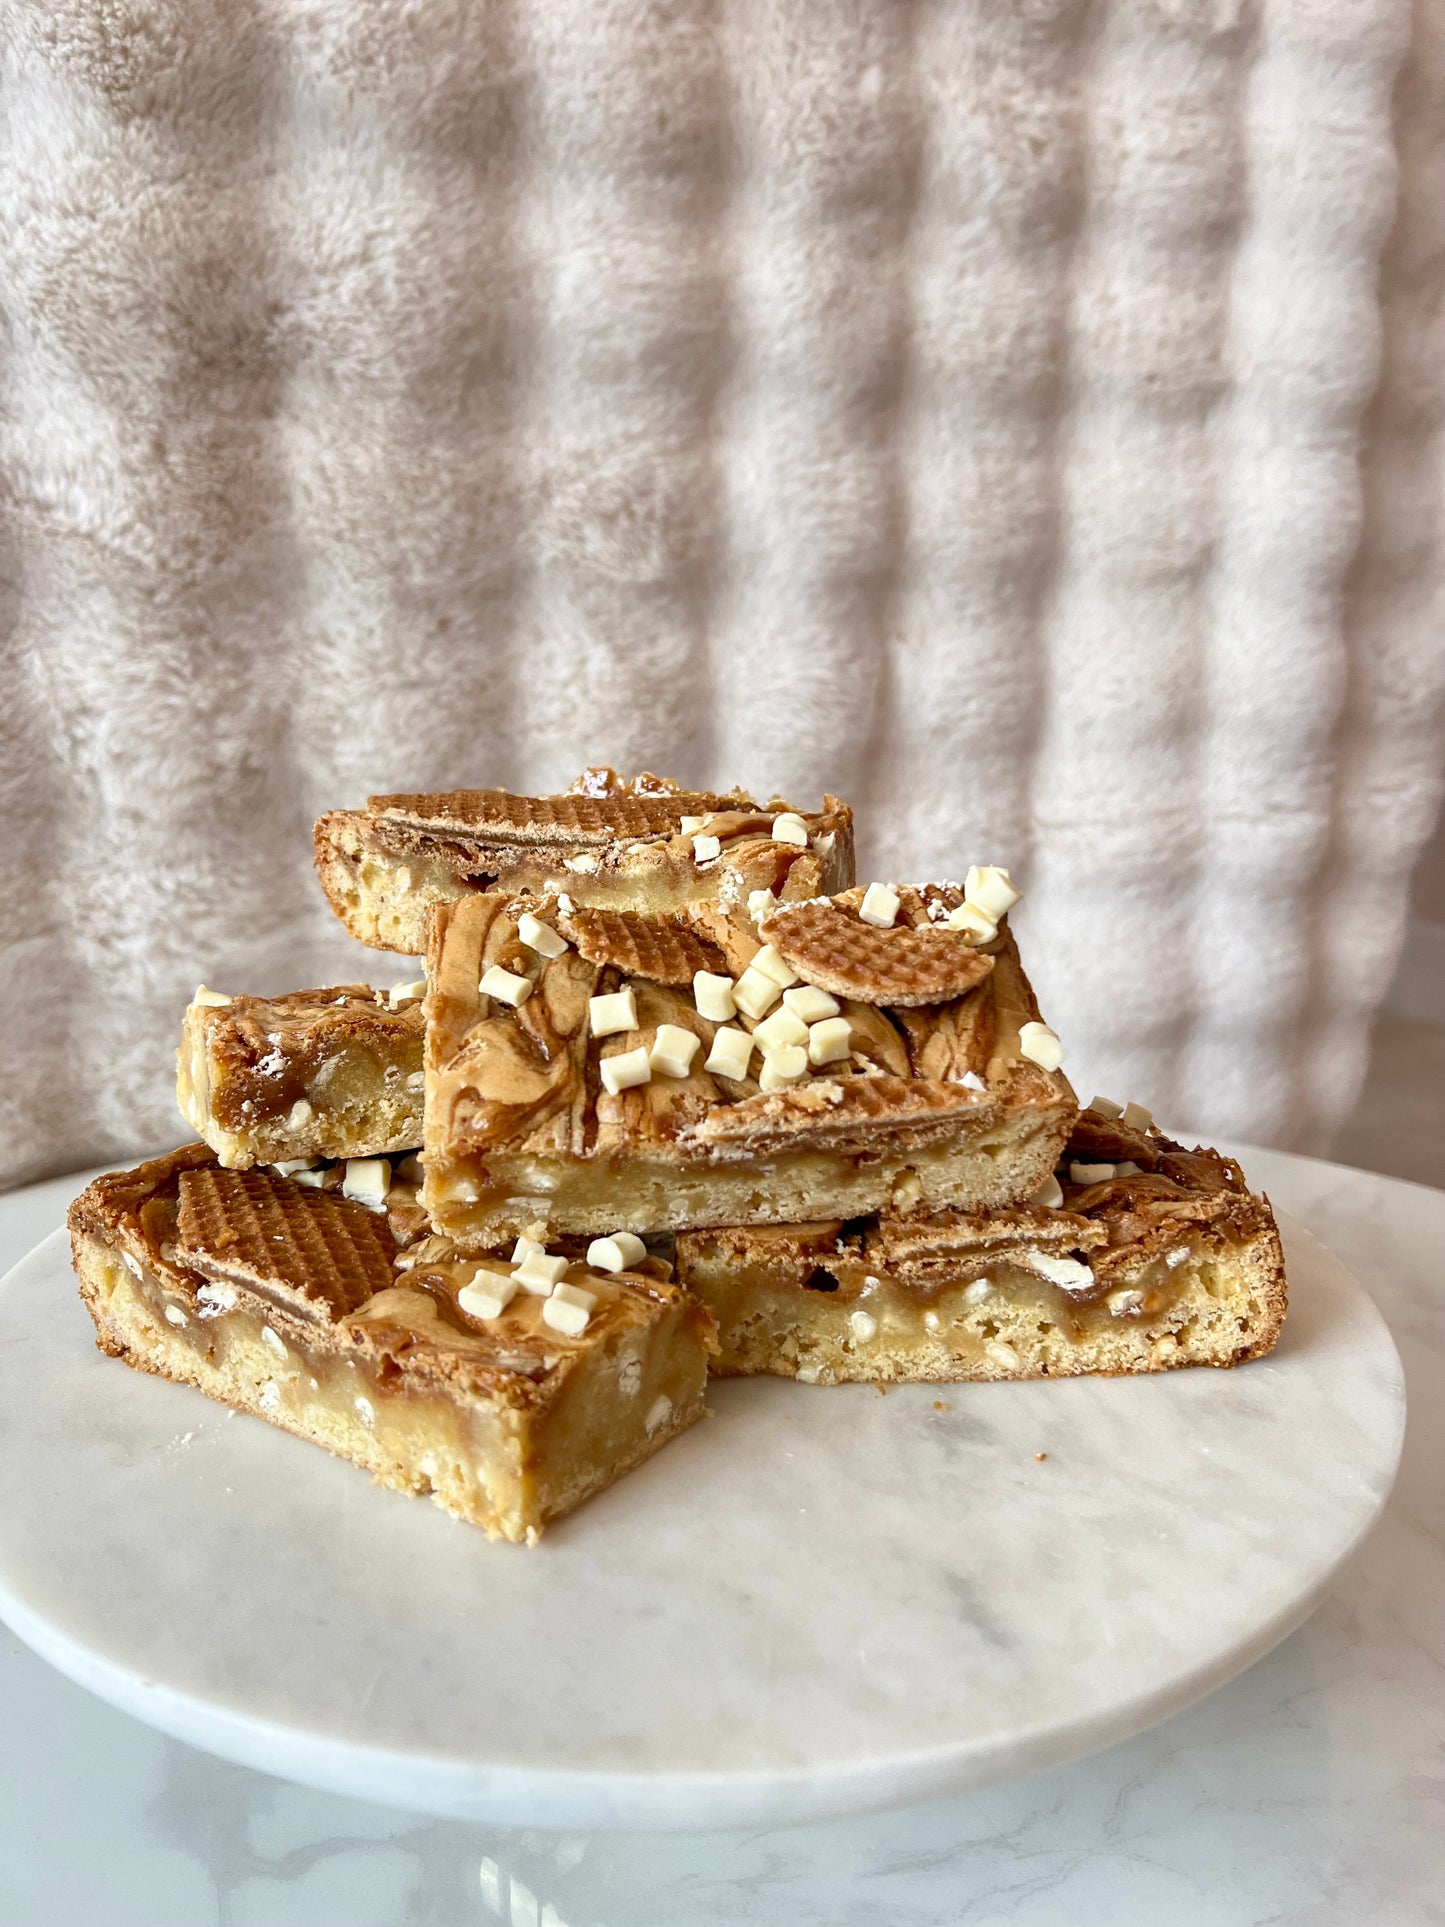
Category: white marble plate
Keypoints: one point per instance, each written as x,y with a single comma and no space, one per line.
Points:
820,1601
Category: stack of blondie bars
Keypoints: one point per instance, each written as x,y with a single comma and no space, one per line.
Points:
673,1096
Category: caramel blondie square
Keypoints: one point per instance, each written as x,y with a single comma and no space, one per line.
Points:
1153,1257
638,844
508,1393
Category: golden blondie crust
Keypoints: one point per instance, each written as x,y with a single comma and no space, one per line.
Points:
296,1304
609,841
536,1111
1161,1257
334,1073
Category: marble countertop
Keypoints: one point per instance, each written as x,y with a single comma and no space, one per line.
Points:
1310,1791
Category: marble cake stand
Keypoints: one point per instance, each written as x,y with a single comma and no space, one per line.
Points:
820,1601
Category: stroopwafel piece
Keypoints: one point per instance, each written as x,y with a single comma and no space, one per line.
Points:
564,1089
1137,1270
505,1402
910,962
609,843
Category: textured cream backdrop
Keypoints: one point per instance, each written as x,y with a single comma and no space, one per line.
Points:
1023,416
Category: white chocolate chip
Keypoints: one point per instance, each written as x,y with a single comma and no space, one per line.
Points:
290,1166
273,1340
989,888
540,936
1128,1169
1166,1346
761,903
315,1177
810,1003
1041,1046
971,1081
978,1291
1061,1271
782,1067
690,825
673,1050
132,1264
526,1248
790,828
569,1294
367,1180
1123,1301
268,1395
624,1070
213,999
931,1321
755,994
365,1411
808,1374
300,1114
570,1320
830,1040
769,961
613,1012
174,1315
879,906
459,1190
488,1295
1080,1173
582,866
1137,1118
1001,1354
538,1273
863,1325
620,1252
1176,1257
406,993
1105,1107
713,996
825,844
783,1027
973,923
658,1413
1049,1193
731,1053
564,903
415,1080
705,849
505,985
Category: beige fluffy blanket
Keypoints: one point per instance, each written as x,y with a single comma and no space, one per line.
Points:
1022,416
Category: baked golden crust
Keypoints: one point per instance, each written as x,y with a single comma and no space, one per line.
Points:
934,1104
1173,1263
294,1304
610,843
335,1072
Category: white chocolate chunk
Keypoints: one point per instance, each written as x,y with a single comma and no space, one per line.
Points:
273,1341
1041,1046
810,1003
761,903
1166,1346
365,1410
782,1066
690,825
971,1081
567,1293
863,1325
1061,1271
1050,1193
540,936
754,994
1128,1169
581,866
712,993
213,999
570,1320
1105,1107
488,1295
1137,1118
538,1272
999,1352
290,1166
565,903
526,1248
268,1395
314,1178
627,1068
705,848
615,1011
783,1027
673,1050
406,993
174,1315
505,985
879,906
989,889
620,1252
1081,1173
972,921
790,828
658,1413
830,1041
300,1113
731,1053
769,961
1123,1301
367,1180
978,1292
